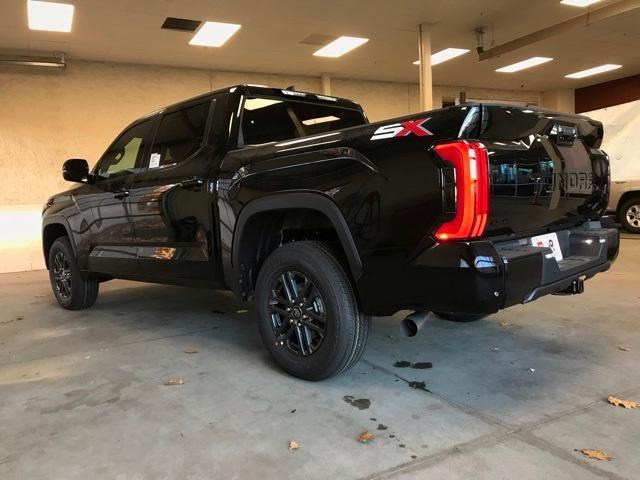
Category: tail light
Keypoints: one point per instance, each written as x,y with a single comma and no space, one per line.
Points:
469,161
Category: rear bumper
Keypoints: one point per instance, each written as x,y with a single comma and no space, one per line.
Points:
532,272
484,277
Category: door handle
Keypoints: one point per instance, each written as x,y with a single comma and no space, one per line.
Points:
121,194
191,182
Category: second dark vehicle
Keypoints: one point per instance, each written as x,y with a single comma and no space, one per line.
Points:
297,201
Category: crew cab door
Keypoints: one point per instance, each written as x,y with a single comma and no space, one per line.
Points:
111,238
172,198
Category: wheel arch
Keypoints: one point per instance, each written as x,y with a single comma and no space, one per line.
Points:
261,223
52,229
625,197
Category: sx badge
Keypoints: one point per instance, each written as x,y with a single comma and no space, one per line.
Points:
403,129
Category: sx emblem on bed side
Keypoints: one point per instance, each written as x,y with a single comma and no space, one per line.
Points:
402,129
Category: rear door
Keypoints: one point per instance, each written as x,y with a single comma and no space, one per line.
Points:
172,198
546,170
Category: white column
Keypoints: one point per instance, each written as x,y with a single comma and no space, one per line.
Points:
326,84
424,55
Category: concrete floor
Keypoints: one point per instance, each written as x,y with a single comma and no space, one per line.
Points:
82,393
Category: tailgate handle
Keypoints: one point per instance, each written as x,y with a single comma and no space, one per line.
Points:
563,134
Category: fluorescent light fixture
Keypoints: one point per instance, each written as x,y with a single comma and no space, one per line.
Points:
579,3
49,16
214,34
316,121
528,63
340,46
594,71
444,55
58,61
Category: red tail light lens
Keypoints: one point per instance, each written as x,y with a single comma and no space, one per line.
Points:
469,160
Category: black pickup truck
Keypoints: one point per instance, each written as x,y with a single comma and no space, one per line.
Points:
295,200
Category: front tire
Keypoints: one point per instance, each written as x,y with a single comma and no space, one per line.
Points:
460,317
71,289
308,315
629,215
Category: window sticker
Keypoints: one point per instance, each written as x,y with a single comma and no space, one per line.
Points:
154,161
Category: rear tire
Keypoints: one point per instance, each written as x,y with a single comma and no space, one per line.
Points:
460,317
629,215
308,315
71,289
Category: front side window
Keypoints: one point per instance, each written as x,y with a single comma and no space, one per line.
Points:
179,136
125,154
267,120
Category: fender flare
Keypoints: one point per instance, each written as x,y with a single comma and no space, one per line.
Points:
57,220
302,200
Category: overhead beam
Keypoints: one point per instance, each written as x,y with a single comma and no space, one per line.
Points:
586,19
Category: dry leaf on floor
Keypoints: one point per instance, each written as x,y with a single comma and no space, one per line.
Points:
623,348
505,324
618,402
365,437
293,445
174,381
596,454
189,351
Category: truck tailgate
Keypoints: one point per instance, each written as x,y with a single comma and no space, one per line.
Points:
546,170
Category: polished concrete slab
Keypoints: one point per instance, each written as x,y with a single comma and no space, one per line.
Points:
82,394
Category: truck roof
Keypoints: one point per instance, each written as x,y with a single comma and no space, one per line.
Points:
264,91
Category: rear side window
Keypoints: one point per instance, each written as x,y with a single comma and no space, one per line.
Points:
179,135
270,120
125,154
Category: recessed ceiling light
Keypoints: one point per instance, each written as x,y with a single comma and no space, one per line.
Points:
340,46
444,55
49,16
214,34
579,3
528,63
594,71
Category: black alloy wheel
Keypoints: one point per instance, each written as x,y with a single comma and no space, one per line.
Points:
72,289
307,312
298,314
62,275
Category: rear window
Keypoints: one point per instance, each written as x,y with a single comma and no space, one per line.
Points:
270,120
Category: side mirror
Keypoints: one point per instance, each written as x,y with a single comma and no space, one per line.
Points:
75,170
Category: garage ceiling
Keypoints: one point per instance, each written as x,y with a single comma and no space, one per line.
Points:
269,41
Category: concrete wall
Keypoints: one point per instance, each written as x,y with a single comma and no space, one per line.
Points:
47,116
561,100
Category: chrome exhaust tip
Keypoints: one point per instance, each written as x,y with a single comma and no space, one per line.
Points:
413,323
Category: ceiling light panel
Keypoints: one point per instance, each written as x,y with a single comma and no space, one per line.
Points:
579,3
49,16
528,63
594,71
444,55
214,34
340,46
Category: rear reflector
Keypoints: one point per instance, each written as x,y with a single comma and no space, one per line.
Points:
469,159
